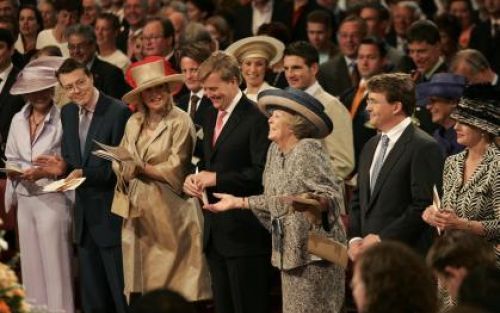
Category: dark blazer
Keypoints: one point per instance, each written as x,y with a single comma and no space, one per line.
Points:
94,197
243,16
109,79
402,192
238,158
481,39
205,104
299,30
361,133
334,76
9,106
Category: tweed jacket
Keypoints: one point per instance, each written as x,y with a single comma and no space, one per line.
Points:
478,198
303,169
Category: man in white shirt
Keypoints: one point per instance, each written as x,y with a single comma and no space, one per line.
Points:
397,171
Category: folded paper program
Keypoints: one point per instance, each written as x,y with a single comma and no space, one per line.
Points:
111,153
11,168
64,185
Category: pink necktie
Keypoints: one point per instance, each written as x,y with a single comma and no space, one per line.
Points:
218,125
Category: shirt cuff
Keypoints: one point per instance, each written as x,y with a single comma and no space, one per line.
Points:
355,239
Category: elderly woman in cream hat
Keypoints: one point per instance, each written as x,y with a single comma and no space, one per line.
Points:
255,55
297,164
161,234
44,219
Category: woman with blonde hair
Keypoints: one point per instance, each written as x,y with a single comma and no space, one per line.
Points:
161,233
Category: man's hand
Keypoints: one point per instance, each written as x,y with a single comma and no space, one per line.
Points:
191,188
78,173
370,240
51,164
206,179
355,250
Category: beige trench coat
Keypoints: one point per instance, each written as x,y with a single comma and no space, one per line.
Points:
162,234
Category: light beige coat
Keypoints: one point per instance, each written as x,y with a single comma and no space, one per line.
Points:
339,143
162,234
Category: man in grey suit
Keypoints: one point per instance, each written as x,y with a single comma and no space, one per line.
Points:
397,171
301,66
340,73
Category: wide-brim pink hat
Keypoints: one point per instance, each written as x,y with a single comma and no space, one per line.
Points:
37,75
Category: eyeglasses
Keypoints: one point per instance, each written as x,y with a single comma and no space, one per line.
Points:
151,38
78,85
81,46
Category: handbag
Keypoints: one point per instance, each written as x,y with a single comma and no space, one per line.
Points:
121,201
327,249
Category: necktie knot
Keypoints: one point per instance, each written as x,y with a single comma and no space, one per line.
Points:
385,140
192,104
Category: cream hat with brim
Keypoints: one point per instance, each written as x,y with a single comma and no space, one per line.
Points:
264,47
149,75
38,75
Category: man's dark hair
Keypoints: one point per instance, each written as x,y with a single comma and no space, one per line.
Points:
481,288
276,30
374,41
382,11
70,65
196,51
85,31
68,5
450,25
320,17
304,50
397,87
112,19
6,36
423,31
162,301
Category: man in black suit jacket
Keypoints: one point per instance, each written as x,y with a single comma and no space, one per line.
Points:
485,37
195,102
134,18
93,116
424,43
474,67
233,156
340,73
370,62
243,16
82,47
397,171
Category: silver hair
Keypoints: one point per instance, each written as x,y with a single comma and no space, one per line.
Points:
85,31
473,58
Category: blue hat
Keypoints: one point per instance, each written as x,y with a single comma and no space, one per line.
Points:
300,102
442,85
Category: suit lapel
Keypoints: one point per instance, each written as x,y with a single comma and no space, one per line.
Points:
95,124
392,158
231,123
365,168
11,78
208,132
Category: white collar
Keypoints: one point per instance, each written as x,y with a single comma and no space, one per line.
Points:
5,74
199,94
233,104
313,88
396,132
